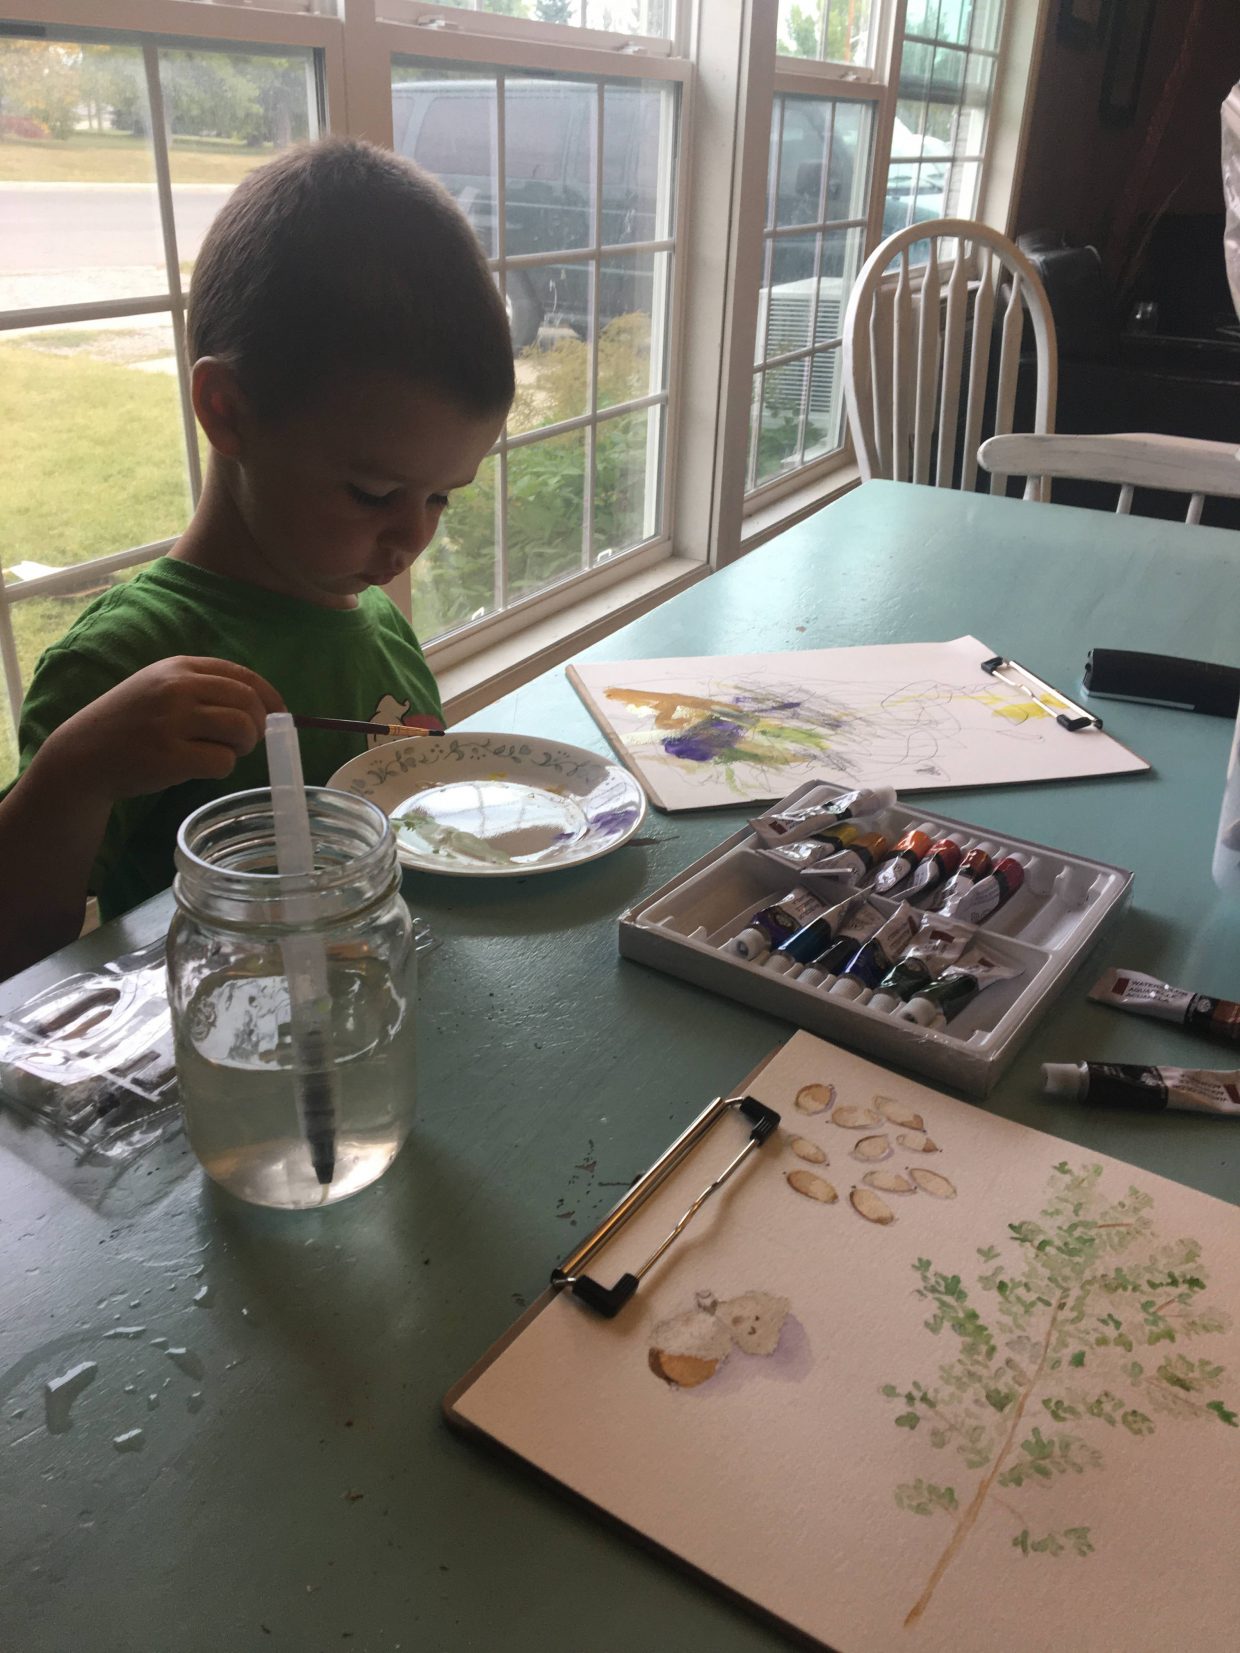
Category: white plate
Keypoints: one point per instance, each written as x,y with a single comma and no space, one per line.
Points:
496,806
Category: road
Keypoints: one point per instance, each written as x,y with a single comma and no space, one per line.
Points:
97,226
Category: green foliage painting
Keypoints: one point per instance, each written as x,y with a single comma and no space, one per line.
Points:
1071,1339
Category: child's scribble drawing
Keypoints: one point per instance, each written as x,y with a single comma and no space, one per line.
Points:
715,729
1073,1329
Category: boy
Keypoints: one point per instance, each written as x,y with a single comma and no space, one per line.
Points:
352,366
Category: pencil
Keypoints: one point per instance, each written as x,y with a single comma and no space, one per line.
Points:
353,726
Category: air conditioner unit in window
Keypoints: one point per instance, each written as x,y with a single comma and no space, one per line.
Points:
789,306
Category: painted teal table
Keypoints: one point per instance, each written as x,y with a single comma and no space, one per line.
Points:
296,1489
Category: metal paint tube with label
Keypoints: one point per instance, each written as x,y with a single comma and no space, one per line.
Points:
976,904
871,962
819,932
851,922
771,925
957,987
1147,996
942,860
1145,1090
808,819
903,859
804,854
938,943
860,856
975,864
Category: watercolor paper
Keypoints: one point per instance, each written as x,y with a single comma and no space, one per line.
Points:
728,729
980,1392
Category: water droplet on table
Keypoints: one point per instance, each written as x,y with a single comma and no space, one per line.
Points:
133,1440
126,1331
202,1297
194,1403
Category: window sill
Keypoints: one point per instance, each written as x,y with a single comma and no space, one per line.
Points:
469,684
766,521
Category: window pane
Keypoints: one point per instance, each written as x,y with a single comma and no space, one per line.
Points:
824,424
8,738
630,363
94,454
227,112
78,203
625,502
775,422
615,16
454,578
638,124
546,492
553,373
39,621
834,31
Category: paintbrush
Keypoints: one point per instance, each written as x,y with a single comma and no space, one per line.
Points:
352,726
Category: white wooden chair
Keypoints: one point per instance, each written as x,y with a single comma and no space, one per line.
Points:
904,351
1174,464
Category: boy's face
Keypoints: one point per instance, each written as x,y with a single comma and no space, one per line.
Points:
347,492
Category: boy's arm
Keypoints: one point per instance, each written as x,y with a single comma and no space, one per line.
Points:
178,720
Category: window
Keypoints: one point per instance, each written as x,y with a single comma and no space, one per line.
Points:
114,157
846,79
569,182
570,133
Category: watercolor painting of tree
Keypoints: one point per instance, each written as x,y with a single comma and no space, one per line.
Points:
1073,1338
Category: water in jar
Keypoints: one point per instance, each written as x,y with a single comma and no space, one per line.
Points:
236,1071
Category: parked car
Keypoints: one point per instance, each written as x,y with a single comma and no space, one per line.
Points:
448,126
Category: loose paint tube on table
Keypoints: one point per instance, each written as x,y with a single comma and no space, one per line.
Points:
1144,1089
1147,996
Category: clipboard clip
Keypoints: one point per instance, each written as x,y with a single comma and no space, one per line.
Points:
1024,680
609,1300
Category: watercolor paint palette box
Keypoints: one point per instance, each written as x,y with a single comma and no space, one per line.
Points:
1044,932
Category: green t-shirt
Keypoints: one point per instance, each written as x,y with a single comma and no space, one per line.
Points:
361,662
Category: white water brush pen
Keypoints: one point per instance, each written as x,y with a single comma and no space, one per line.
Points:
305,960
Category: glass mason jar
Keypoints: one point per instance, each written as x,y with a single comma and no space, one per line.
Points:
1227,840
303,1103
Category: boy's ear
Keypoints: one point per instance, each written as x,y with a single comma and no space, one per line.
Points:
219,404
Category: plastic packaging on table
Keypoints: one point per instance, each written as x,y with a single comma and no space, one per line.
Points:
91,1058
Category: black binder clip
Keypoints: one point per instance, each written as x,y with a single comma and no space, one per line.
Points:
609,1300
1035,688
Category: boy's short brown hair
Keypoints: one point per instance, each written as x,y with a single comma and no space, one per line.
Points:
339,257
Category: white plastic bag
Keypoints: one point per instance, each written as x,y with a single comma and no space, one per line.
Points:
1231,190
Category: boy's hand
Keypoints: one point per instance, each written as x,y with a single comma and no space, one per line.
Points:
179,720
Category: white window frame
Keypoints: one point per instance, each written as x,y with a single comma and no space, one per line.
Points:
794,495
722,55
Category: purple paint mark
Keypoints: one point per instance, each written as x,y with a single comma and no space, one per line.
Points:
704,741
613,820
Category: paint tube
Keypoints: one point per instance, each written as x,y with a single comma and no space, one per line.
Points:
871,962
806,853
846,924
941,861
1130,990
978,901
773,924
857,859
901,861
938,943
1145,1090
958,986
975,864
806,819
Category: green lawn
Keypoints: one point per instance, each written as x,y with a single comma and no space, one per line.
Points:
118,158
93,463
